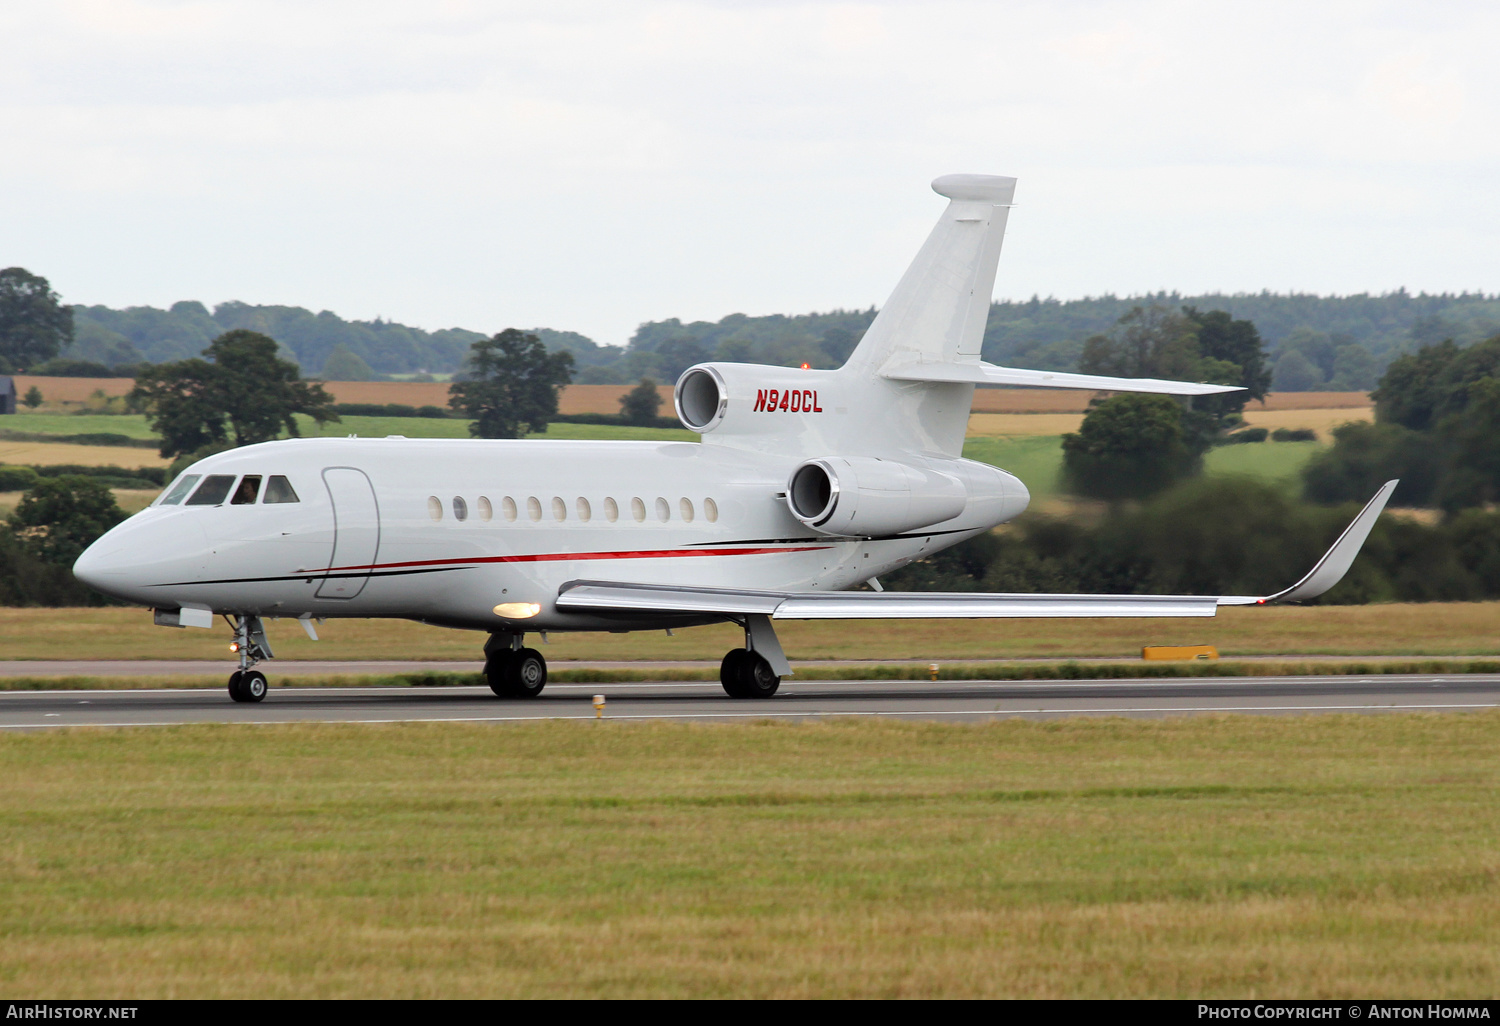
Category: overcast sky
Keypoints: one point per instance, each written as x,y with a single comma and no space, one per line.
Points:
587,166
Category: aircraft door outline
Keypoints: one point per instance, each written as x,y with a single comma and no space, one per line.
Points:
356,530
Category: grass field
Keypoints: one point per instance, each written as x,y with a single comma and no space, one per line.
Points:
1302,857
1416,629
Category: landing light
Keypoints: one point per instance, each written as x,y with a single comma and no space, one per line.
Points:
517,610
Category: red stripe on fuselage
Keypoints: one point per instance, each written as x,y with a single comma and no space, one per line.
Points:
550,557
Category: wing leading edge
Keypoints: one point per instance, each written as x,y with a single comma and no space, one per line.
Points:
601,596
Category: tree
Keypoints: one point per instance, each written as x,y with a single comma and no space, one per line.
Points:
641,403
34,325
1296,373
1129,447
242,393
511,385
1156,342
343,364
33,398
62,516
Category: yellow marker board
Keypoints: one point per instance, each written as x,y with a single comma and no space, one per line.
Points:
1179,652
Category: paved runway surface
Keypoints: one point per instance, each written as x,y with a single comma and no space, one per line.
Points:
946,700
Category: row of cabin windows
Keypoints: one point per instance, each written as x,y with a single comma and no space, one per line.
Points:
218,487
582,509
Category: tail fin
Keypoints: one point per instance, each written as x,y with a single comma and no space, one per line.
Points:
936,316
937,313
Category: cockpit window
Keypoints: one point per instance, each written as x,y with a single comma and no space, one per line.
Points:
249,488
279,489
182,487
212,491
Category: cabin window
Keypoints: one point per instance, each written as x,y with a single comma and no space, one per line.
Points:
611,510
663,510
710,511
638,509
508,509
460,508
434,507
585,511
245,494
213,491
534,508
279,489
486,511
686,507
559,508
181,488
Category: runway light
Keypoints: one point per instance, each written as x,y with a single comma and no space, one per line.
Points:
517,610
598,706
932,668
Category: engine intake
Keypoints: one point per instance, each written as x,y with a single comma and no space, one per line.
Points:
870,497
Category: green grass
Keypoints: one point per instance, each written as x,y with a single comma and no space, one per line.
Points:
1300,857
1269,461
1037,459
1420,629
425,427
132,425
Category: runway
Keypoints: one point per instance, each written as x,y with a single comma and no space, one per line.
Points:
952,701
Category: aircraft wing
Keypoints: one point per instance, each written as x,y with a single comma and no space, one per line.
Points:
990,374
599,596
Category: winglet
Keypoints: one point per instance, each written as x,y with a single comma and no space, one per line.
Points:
1335,562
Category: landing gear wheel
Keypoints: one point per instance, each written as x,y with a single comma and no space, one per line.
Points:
729,672
754,677
495,672
247,685
520,674
253,686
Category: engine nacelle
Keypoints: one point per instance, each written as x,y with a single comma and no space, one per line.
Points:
750,400
869,497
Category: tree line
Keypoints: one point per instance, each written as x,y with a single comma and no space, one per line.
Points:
1338,343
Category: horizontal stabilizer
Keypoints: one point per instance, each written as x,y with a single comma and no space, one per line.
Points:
989,374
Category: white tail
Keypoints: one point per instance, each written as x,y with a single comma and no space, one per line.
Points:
909,384
938,311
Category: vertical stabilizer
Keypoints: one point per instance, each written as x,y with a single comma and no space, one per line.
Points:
936,316
938,311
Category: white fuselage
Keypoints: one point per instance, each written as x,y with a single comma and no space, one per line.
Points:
446,531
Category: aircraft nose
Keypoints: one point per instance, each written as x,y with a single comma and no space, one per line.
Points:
142,553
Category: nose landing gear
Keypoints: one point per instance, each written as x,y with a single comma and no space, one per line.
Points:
246,684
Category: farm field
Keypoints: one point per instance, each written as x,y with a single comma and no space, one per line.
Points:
1301,857
1395,629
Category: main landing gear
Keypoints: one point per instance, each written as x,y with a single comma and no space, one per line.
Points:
511,670
755,671
246,684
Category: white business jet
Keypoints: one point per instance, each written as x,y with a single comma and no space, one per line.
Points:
806,483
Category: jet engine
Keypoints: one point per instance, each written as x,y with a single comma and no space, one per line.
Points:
870,497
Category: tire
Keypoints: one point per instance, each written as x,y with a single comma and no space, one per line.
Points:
520,674
729,672
253,686
527,673
495,672
756,678
235,692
